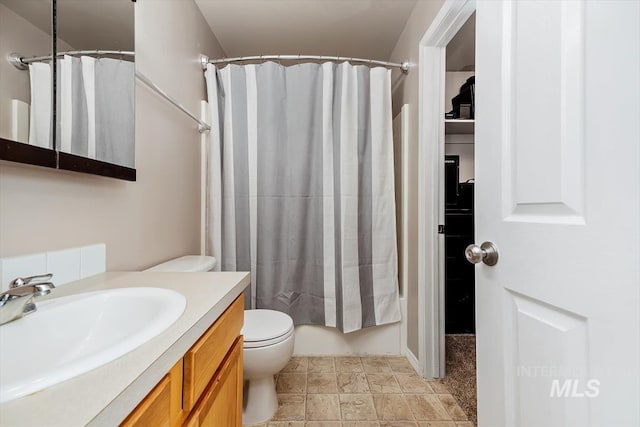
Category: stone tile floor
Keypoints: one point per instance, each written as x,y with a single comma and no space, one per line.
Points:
372,391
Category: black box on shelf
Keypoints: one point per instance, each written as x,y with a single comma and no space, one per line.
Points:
463,103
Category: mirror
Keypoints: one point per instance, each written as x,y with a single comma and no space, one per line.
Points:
85,122
26,95
96,80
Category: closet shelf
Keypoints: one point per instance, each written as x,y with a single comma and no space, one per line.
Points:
459,126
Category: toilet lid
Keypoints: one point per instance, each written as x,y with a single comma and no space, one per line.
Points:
265,327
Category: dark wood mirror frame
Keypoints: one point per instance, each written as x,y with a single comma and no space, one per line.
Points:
33,155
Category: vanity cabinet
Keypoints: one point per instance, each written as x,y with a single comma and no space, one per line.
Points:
162,406
221,403
204,388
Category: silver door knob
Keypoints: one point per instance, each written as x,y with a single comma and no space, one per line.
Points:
486,252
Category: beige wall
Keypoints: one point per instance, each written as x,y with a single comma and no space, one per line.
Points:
21,36
143,222
406,92
467,154
16,35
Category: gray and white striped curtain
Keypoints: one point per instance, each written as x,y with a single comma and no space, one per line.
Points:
301,189
95,109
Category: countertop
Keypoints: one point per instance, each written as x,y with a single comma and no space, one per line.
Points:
106,395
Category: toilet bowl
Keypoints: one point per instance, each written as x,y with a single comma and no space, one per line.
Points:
267,347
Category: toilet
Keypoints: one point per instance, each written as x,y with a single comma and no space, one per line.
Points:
268,345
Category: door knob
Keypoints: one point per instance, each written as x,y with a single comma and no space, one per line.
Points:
486,252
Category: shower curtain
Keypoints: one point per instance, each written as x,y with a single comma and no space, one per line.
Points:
40,108
94,108
301,189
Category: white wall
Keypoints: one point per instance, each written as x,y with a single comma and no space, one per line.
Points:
143,222
313,340
406,92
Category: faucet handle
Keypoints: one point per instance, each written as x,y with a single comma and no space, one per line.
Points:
39,279
42,289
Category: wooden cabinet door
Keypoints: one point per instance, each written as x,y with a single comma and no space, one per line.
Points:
221,403
162,407
204,359
154,410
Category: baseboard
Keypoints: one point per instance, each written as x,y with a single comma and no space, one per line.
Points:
403,327
413,360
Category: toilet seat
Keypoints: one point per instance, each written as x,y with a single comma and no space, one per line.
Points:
265,327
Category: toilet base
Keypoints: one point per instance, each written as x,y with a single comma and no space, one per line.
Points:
260,401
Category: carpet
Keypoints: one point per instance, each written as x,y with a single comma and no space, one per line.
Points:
461,372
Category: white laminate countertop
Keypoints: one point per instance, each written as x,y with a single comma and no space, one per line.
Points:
106,395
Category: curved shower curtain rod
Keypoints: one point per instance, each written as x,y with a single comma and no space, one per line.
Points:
22,62
404,66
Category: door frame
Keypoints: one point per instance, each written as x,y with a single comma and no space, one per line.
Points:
451,17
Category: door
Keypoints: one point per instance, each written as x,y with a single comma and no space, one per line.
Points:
558,177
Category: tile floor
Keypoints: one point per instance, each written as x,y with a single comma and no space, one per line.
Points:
361,392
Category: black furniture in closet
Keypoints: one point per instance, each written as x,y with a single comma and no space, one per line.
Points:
459,274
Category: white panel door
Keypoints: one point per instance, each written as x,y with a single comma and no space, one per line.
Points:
558,192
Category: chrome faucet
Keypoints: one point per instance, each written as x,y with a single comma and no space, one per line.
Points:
18,300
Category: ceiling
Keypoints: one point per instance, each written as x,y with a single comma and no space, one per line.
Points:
83,24
97,24
354,28
461,50
36,12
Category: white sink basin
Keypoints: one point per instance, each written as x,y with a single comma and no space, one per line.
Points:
69,336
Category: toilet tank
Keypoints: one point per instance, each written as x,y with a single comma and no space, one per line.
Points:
186,264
